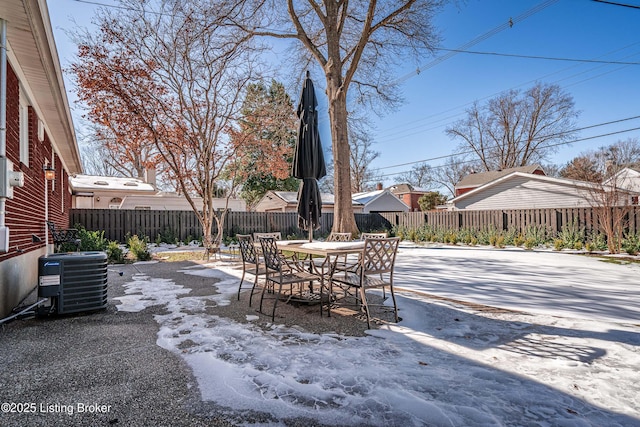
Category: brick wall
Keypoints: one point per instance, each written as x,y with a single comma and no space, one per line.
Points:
25,213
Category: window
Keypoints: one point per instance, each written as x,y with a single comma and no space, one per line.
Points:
24,127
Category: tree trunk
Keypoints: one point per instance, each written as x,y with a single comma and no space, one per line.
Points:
344,220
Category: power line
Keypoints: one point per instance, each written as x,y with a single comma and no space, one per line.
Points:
508,24
453,109
547,136
549,58
490,157
633,6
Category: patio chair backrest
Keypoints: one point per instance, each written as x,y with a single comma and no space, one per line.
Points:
364,236
275,234
339,237
271,254
379,255
247,248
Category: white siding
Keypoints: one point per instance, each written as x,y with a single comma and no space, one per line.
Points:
526,193
387,202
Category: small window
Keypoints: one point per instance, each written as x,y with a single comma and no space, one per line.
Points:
634,200
101,183
131,184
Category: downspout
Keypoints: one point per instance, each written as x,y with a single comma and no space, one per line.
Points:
3,126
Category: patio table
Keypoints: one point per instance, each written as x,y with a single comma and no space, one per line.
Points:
330,251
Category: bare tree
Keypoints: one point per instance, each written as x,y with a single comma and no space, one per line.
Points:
517,129
181,76
363,177
612,200
593,165
355,44
452,171
583,168
420,175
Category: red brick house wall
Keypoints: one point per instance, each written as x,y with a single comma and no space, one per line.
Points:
25,212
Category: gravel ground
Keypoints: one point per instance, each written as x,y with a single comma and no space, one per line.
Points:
104,367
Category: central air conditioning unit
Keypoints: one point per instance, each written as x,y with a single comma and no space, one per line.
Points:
75,281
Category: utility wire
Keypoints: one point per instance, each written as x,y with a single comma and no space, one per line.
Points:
546,136
633,6
509,24
549,58
403,126
491,157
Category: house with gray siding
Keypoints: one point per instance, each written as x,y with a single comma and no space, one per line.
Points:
520,190
478,179
380,201
287,201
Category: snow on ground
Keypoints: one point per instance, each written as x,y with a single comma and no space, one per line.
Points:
567,357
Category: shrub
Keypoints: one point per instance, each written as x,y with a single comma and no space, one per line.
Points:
558,244
89,241
139,248
530,243
538,234
500,242
518,240
167,236
115,254
631,244
598,242
571,233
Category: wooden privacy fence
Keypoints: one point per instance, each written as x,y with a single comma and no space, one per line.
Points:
551,219
119,223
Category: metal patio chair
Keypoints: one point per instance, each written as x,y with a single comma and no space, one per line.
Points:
251,262
283,273
275,234
375,270
364,236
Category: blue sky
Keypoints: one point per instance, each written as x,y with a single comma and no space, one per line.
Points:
439,95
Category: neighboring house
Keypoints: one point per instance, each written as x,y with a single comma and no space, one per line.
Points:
475,180
175,202
287,201
520,190
100,192
39,135
380,201
409,195
627,178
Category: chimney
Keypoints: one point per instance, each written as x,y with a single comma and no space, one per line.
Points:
379,186
150,175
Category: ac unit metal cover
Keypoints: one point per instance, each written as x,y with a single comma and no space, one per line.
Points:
77,280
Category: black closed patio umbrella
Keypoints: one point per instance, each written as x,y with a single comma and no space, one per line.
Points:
308,160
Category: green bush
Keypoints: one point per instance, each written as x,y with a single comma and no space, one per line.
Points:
631,244
138,247
167,236
530,243
536,234
558,244
518,240
115,254
572,235
89,241
598,242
